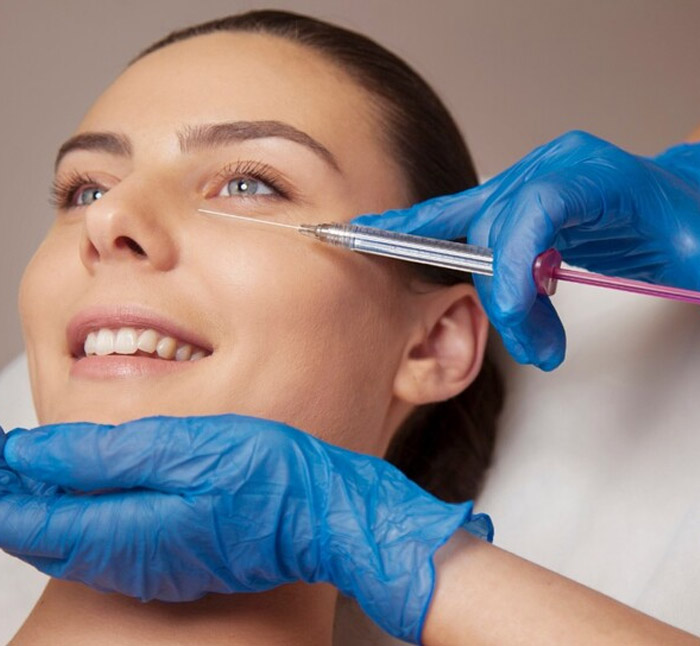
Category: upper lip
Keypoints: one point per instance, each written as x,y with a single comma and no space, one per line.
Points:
136,316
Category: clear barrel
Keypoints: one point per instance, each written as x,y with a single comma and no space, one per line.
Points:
403,246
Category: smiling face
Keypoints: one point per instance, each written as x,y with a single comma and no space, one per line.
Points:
269,323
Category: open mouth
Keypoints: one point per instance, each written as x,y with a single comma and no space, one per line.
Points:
131,341
144,342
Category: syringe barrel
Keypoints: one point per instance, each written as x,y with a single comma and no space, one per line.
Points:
401,246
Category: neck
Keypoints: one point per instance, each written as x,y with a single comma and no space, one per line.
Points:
70,613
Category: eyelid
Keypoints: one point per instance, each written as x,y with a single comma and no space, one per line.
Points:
65,187
259,171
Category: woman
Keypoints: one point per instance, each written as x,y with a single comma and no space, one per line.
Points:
265,324
128,233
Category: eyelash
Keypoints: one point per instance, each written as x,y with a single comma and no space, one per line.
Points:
63,191
258,171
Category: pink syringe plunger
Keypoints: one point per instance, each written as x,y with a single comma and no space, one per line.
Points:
547,271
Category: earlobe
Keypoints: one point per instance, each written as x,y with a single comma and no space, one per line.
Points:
445,354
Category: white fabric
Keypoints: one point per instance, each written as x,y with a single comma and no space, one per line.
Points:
596,474
596,467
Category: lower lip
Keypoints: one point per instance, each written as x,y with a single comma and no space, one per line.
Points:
116,366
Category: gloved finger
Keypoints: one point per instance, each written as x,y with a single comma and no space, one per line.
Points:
484,286
85,538
577,246
483,232
9,480
616,258
446,217
23,451
538,338
449,217
168,454
13,482
39,526
541,335
529,225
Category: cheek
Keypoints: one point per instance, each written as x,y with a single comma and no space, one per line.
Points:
35,291
33,295
317,333
48,283
47,287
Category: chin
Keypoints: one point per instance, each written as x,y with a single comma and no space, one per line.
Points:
115,412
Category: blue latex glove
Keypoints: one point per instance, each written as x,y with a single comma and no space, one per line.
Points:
226,504
604,209
12,482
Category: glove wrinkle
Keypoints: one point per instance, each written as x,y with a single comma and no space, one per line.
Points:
604,209
268,505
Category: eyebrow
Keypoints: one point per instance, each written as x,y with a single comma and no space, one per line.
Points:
220,134
199,137
108,142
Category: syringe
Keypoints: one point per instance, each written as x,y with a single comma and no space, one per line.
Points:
546,270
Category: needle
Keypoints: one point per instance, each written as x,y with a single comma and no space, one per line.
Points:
463,257
247,219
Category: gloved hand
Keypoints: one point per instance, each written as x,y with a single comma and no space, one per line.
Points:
186,506
604,209
12,482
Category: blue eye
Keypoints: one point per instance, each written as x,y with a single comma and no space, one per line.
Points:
246,186
88,195
75,190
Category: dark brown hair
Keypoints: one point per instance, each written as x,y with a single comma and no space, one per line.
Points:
445,447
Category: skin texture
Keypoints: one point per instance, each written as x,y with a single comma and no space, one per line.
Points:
295,327
485,595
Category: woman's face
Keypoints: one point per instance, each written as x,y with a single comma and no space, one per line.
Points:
269,323
290,329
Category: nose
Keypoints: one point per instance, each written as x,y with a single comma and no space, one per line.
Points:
128,225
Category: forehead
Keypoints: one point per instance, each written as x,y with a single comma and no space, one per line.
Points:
238,76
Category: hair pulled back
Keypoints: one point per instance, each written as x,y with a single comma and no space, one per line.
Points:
445,447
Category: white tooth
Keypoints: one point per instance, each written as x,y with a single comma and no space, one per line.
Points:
125,341
166,347
183,353
148,340
89,346
104,343
198,355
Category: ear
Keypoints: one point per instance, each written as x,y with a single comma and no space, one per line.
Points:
446,351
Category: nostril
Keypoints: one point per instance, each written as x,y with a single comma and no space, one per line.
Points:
124,241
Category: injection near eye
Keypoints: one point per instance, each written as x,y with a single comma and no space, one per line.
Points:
248,219
457,256
378,242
